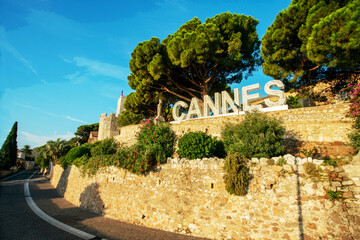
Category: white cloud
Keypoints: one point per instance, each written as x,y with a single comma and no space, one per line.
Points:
48,113
94,67
74,119
41,140
6,46
36,109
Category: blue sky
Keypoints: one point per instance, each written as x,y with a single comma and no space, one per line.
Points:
64,62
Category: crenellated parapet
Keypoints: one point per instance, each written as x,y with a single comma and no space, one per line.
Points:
108,126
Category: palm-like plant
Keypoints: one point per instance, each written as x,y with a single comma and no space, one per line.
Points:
28,152
56,149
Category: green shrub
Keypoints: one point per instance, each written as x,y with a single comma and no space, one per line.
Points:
237,176
199,145
293,102
311,169
282,161
41,161
74,153
354,137
270,162
155,142
94,163
258,136
81,161
335,195
330,162
105,147
129,118
309,153
160,134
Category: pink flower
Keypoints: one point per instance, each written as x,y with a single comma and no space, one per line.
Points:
154,132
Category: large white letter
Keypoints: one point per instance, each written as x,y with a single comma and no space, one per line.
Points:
226,102
209,105
176,110
237,98
278,93
194,108
247,98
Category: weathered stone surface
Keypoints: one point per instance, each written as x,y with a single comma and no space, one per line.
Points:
324,127
347,183
189,196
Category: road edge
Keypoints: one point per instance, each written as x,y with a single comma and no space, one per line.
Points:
51,220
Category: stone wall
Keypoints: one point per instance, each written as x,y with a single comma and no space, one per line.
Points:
323,127
190,197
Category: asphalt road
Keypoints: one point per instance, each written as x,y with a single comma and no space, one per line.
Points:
18,221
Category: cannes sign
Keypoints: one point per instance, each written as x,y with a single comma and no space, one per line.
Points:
223,103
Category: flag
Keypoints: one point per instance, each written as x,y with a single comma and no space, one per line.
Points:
122,93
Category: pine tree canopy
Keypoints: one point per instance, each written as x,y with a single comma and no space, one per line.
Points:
197,60
311,40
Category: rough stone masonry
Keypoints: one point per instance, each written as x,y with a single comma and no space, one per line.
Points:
189,197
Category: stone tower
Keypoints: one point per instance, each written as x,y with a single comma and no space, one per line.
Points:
120,105
108,126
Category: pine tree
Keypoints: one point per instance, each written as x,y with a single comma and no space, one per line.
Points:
313,40
9,148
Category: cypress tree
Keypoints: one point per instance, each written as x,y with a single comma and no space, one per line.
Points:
9,148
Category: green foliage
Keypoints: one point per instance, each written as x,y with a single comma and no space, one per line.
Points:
28,153
94,163
42,161
311,169
155,143
258,135
83,132
224,47
354,137
311,40
270,162
335,195
330,162
159,133
281,161
354,112
199,145
74,154
9,149
139,160
56,149
129,118
105,147
237,176
309,153
293,102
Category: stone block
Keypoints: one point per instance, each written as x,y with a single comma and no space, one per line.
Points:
318,162
336,184
263,161
290,159
347,183
255,160
276,168
287,168
348,195
329,168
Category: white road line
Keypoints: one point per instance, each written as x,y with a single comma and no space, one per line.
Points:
51,220
12,176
